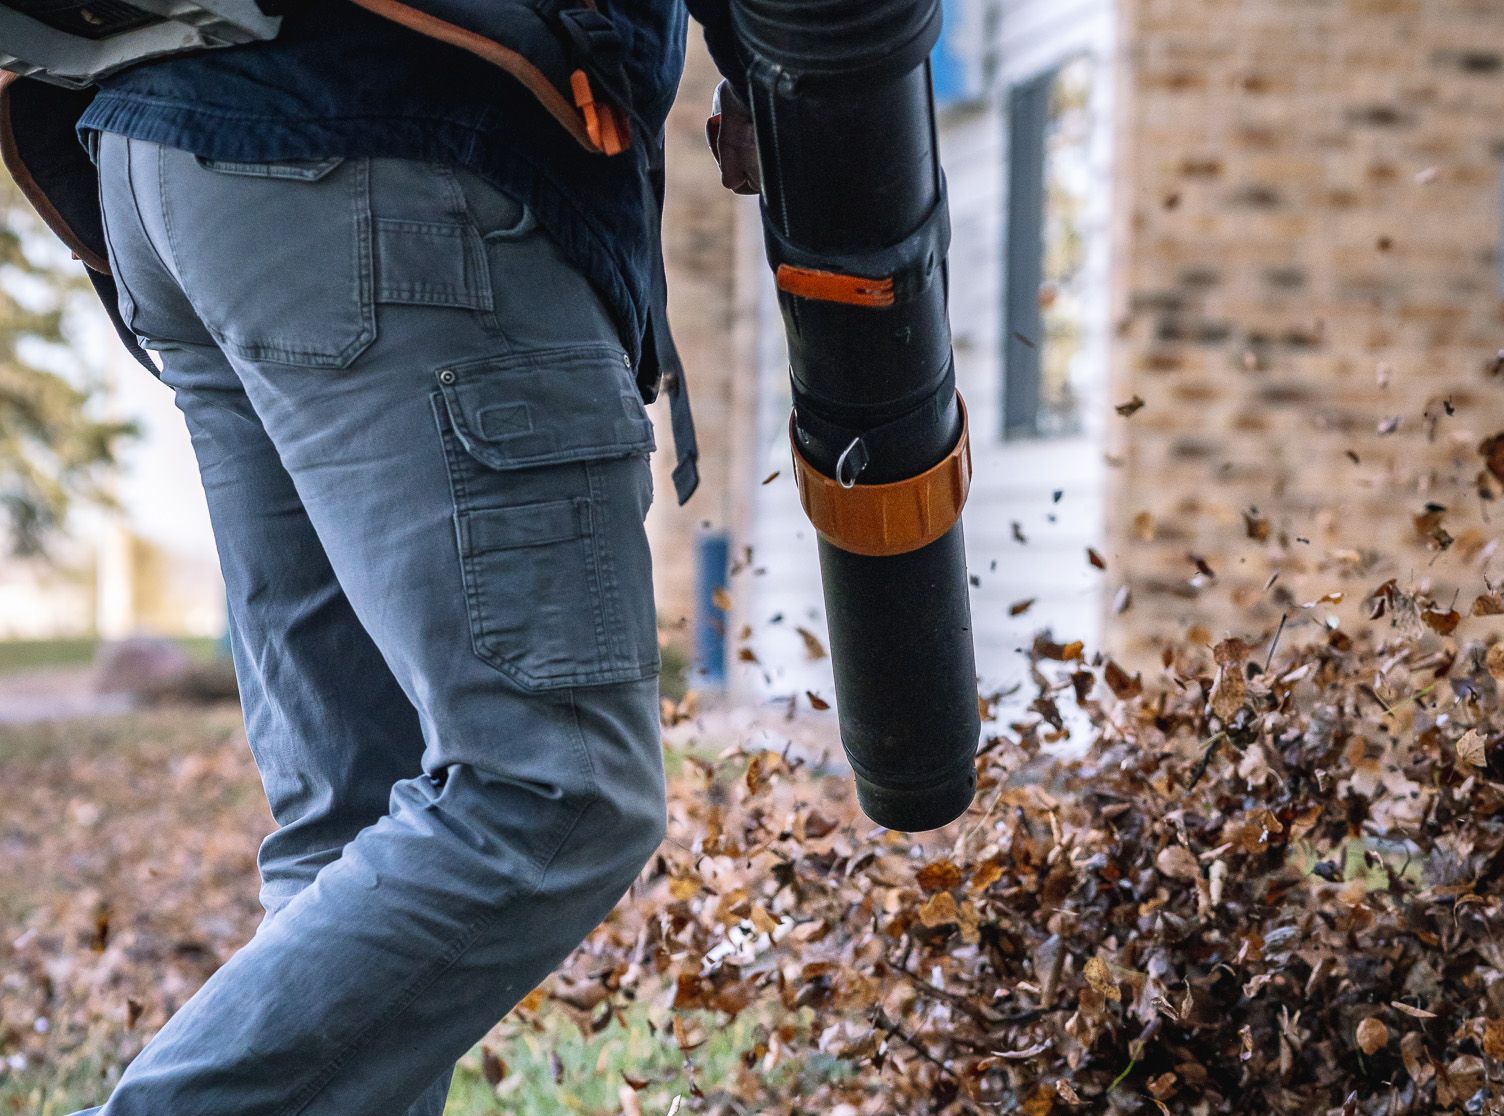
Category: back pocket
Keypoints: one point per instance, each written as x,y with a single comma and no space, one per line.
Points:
548,460
275,255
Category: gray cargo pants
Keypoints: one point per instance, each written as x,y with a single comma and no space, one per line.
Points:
427,469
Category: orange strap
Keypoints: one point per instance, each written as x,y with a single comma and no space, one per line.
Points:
832,286
608,134
604,123
881,520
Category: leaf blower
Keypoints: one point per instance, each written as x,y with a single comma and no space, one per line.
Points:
856,225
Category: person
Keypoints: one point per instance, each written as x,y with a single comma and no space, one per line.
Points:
403,314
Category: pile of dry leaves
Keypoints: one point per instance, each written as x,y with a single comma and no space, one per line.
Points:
1271,885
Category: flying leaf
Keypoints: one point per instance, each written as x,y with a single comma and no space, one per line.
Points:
812,645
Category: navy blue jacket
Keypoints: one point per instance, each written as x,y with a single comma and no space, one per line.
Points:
594,204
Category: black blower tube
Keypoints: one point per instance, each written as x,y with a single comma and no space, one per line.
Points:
857,229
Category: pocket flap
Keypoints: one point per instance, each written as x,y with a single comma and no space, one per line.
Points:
546,406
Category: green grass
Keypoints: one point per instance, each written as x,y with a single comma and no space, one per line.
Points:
32,654
68,1082
555,1069
584,1081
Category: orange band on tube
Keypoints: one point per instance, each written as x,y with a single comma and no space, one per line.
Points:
881,520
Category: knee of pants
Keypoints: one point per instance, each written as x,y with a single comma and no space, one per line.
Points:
641,822
626,818
623,826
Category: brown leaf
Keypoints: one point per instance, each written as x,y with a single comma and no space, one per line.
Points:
1493,1039
1119,682
986,874
1018,608
758,767
721,598
939,875
1179,863
1372,1035
1163,1087
812,645
1058,652
1489,604
1130,408
1095,559
1415,1012
1417,1061
1441,622
817,825
939,910
1039,1102
1099,978
816,702
1492,449
1230,689
1495,661
762,921
1473,749
492,1067
684,1038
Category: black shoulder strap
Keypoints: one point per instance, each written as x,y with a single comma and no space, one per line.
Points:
660,365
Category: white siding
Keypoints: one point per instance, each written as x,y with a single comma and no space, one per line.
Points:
1013,482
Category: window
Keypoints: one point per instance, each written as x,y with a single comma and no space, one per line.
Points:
1049,178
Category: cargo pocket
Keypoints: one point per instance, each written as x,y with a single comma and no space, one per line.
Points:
547,455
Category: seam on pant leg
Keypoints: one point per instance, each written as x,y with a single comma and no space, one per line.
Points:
567,826
590,803
601,614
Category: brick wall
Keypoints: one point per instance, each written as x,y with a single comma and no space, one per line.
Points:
1308,302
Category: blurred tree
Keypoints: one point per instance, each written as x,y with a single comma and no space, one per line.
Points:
53,451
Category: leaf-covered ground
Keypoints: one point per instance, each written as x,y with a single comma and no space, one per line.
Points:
127,874
1270,884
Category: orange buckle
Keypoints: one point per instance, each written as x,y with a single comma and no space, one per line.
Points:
831,286
881,520
604,122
